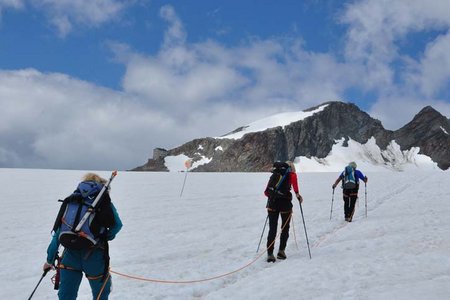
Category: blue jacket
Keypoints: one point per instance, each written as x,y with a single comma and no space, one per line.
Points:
112,232
358,175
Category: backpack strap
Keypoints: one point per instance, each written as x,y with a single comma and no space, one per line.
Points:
62,209
77,216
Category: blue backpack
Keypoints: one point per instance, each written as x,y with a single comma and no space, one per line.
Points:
72,211
349,181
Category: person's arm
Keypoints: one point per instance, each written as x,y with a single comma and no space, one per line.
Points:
266,191
361,176
294,182
112,232
52,250
337,181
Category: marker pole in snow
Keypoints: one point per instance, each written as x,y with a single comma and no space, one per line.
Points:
304,226
365,194
332,200
42,277
187,164
262,233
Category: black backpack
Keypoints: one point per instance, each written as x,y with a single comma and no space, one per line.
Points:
279,185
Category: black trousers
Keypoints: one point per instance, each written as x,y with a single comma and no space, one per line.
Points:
273,224
350,198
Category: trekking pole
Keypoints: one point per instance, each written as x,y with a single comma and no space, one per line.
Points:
295,235
365,192
262,233
184,182
187,164
42,277
332,200
304,226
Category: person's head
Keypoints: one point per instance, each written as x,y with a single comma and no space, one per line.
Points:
352,165
93,177
291,165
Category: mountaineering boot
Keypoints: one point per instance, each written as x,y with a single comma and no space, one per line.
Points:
271,258
281,255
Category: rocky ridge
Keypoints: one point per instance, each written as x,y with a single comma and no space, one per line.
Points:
313,136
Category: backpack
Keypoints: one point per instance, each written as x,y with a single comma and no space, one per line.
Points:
279,185
349,181
73,209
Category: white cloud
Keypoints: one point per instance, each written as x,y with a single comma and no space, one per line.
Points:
175,35
54,121
190,90
65,14
435,66
377,27
376,34
274,74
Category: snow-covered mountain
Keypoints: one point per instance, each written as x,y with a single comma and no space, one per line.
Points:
322,138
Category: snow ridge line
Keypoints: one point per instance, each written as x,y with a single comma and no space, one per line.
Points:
389,196
382,199
327,235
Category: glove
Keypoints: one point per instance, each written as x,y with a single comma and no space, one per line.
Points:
299,197
334,186
47,267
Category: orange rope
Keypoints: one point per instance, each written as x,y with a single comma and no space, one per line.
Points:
103,286
205,279
295,235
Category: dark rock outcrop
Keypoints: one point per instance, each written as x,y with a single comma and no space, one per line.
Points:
313,136
429,130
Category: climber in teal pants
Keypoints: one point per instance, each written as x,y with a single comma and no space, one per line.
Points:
93,261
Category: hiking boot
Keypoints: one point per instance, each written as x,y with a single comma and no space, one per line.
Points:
281,255
271,258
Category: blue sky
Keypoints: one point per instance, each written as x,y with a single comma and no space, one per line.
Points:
98,84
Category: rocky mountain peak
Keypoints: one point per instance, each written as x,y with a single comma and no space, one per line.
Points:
429,130
312,134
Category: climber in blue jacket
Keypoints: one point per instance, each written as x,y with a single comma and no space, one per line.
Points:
91,255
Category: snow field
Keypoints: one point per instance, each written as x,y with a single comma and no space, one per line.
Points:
400,251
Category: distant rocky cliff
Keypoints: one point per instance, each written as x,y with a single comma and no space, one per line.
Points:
313,136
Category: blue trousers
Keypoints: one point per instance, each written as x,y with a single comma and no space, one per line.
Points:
77,262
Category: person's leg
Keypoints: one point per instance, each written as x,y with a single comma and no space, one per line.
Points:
70,274
273,224
285,218
93,267
352,204
100,286
69,284
347,211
